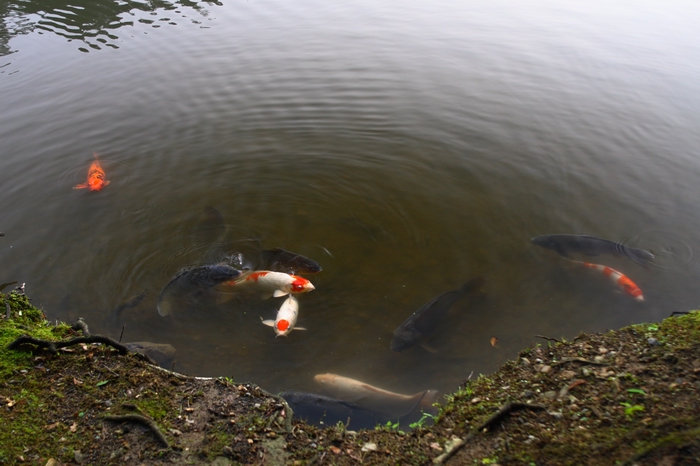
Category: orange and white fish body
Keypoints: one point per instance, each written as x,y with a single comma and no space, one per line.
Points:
95,179
286,318
620,279
270,283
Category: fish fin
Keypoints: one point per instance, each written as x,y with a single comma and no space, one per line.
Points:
80,186
163,310
428,348
269,323
429,398
299,328
107,182
222,298
279,293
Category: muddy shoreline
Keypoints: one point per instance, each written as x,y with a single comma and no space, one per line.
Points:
624,397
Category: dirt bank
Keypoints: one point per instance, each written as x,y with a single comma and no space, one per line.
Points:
624,397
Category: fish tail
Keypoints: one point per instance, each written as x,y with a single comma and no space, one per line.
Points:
80,186
474,285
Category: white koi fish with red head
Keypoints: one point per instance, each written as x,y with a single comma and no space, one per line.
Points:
627,285
270,283
286,317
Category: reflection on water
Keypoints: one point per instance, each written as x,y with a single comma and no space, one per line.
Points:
93,23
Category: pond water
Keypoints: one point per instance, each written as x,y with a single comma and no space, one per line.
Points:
406,149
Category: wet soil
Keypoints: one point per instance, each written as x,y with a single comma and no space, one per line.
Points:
623,397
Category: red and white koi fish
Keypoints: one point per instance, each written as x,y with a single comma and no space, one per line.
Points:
96,177
286,317
271,283
627,285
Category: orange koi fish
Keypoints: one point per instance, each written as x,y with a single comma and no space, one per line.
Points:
96,177
271,283
627,285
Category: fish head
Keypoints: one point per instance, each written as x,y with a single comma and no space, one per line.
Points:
301,285
325,379
404,339
543,240
283,327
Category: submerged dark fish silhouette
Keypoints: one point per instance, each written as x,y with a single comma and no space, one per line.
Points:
162,353
191,280
5,285
424,321
591,246
324,411
279,260
130,303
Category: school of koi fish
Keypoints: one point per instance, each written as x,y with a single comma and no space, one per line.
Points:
266,273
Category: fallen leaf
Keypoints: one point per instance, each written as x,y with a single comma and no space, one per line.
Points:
335,450
436,446
74,427
494,341
369,446
77,382
51,426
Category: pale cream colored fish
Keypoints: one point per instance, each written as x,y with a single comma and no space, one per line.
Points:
374,398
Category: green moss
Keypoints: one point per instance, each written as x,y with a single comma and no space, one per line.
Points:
25,320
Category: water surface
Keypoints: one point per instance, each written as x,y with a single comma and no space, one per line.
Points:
406,149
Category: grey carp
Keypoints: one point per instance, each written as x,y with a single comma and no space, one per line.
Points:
587,245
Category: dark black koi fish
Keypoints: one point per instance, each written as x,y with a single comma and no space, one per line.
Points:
424,321
279,260
191,280
324,411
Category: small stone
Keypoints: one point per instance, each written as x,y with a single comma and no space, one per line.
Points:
545,368
550,394
369,446
528,394
602,350
175,432
78,456
51,462
568,375
557,415
599,359
476,400
653,342
525,361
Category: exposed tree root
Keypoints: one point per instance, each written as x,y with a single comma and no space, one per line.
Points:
141,420
581,360
507,409
54,346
